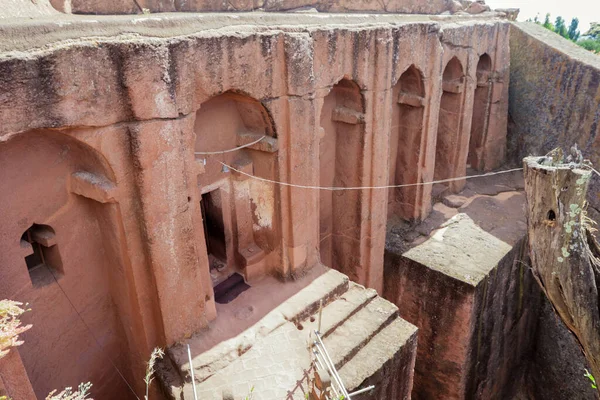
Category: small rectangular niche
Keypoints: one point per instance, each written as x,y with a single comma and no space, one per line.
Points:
43,261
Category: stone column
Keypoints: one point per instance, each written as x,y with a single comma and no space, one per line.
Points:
297,157
375,165
166,178
494,151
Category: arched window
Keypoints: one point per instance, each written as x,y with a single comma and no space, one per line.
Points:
43,263
340,154
449,124
406,138
481,110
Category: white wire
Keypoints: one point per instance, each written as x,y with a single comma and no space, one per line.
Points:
200,153
370,187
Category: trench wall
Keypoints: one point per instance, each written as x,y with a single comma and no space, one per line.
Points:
133,100
554,97
554,101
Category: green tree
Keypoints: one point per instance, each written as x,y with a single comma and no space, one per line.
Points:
547,24
560,27
573,32
594,31
591,39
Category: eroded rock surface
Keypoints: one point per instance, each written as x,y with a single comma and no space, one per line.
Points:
154,6
554,97
464,282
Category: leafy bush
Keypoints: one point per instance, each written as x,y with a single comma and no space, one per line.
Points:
10,325
590,44
68,394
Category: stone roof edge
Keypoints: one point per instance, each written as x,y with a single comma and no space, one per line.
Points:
33,38
558,43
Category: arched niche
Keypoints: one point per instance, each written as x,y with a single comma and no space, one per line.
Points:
239,213
59,219
481,109
449,122
340,165
405,142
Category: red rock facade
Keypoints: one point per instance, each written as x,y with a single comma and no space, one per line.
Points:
110,181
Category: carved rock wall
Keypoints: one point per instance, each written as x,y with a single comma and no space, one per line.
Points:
554,97
392,6
134,101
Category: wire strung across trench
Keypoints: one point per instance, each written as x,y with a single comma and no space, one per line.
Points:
343,188
371,187
207,153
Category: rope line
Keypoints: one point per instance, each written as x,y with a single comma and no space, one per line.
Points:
370,187
92,334
200,153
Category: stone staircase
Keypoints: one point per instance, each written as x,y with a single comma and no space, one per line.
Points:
363,333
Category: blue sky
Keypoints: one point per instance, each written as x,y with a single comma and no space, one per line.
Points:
586,10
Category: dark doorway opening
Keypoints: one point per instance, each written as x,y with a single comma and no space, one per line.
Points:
214,234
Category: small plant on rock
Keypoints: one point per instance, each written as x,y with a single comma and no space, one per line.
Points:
157,354
10,325
591,378
251,395
68,394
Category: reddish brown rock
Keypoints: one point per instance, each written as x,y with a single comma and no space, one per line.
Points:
111,174
14,381
549,113
477,8
155,6
466,285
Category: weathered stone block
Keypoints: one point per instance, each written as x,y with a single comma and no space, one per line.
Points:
468,293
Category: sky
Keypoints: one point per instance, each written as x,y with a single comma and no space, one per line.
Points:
586,10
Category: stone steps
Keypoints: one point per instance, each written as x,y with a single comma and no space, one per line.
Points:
351,336
339,310
326,287
381,353
367,340
359,329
